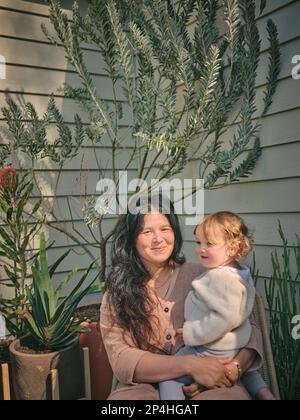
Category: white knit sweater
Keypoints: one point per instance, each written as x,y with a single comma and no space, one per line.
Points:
217,310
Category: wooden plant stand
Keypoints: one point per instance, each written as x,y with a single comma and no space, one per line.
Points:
86,378
5,381
54,379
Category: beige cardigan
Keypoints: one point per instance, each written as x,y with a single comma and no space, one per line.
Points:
217,310
124,355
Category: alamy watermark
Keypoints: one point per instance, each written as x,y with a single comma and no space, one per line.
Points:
2,68
296,69
296,329
121,197
2,327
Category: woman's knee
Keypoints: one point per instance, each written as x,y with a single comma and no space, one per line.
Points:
236,393
135,392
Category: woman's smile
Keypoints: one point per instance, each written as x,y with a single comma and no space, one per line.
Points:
161,249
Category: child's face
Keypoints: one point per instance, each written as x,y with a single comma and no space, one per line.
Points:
212,255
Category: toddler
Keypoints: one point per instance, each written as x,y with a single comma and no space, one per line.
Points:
218,308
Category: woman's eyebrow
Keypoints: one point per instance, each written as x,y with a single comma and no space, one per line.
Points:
150,228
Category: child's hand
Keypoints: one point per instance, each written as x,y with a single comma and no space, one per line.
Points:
179,332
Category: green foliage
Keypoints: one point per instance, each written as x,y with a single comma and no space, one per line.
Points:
30,135
274,65
50,318
188,93
283,297
4,154
263,4
149,52
17,231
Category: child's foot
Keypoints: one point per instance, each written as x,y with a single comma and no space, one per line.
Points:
265,394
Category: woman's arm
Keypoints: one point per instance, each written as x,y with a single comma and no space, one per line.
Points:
123,355
244,359
207,371
240,364
249,358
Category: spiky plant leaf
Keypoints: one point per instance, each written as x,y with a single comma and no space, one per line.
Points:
274,65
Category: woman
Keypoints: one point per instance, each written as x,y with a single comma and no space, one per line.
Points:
143,307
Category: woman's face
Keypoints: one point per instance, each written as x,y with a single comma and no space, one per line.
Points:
155,242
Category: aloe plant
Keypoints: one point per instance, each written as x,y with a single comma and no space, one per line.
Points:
51,320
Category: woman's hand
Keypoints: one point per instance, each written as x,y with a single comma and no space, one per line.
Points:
232,372
209,372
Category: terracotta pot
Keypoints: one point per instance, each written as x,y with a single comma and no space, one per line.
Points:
101,373
31,372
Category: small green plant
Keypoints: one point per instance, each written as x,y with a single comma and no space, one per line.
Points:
282,293
17,229
51,320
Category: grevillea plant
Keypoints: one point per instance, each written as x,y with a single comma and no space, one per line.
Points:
182,92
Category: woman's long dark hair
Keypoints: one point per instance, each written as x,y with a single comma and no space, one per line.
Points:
127,281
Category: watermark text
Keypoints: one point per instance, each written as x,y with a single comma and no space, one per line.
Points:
118,198
2,68
296,329
296,68
2,327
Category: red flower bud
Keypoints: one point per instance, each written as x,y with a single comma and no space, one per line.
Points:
8,177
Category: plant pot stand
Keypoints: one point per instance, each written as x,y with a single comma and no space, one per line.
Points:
5,379
86,378
5,382
31,372
101,372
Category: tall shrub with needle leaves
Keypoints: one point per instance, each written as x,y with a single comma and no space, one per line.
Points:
186,86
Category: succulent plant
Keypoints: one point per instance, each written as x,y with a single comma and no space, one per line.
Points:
50,319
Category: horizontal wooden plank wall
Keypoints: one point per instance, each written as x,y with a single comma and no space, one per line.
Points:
272,193
34,70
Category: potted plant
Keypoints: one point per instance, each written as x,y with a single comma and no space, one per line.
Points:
17,229
52,342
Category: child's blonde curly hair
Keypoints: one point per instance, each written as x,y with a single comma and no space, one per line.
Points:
235,232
